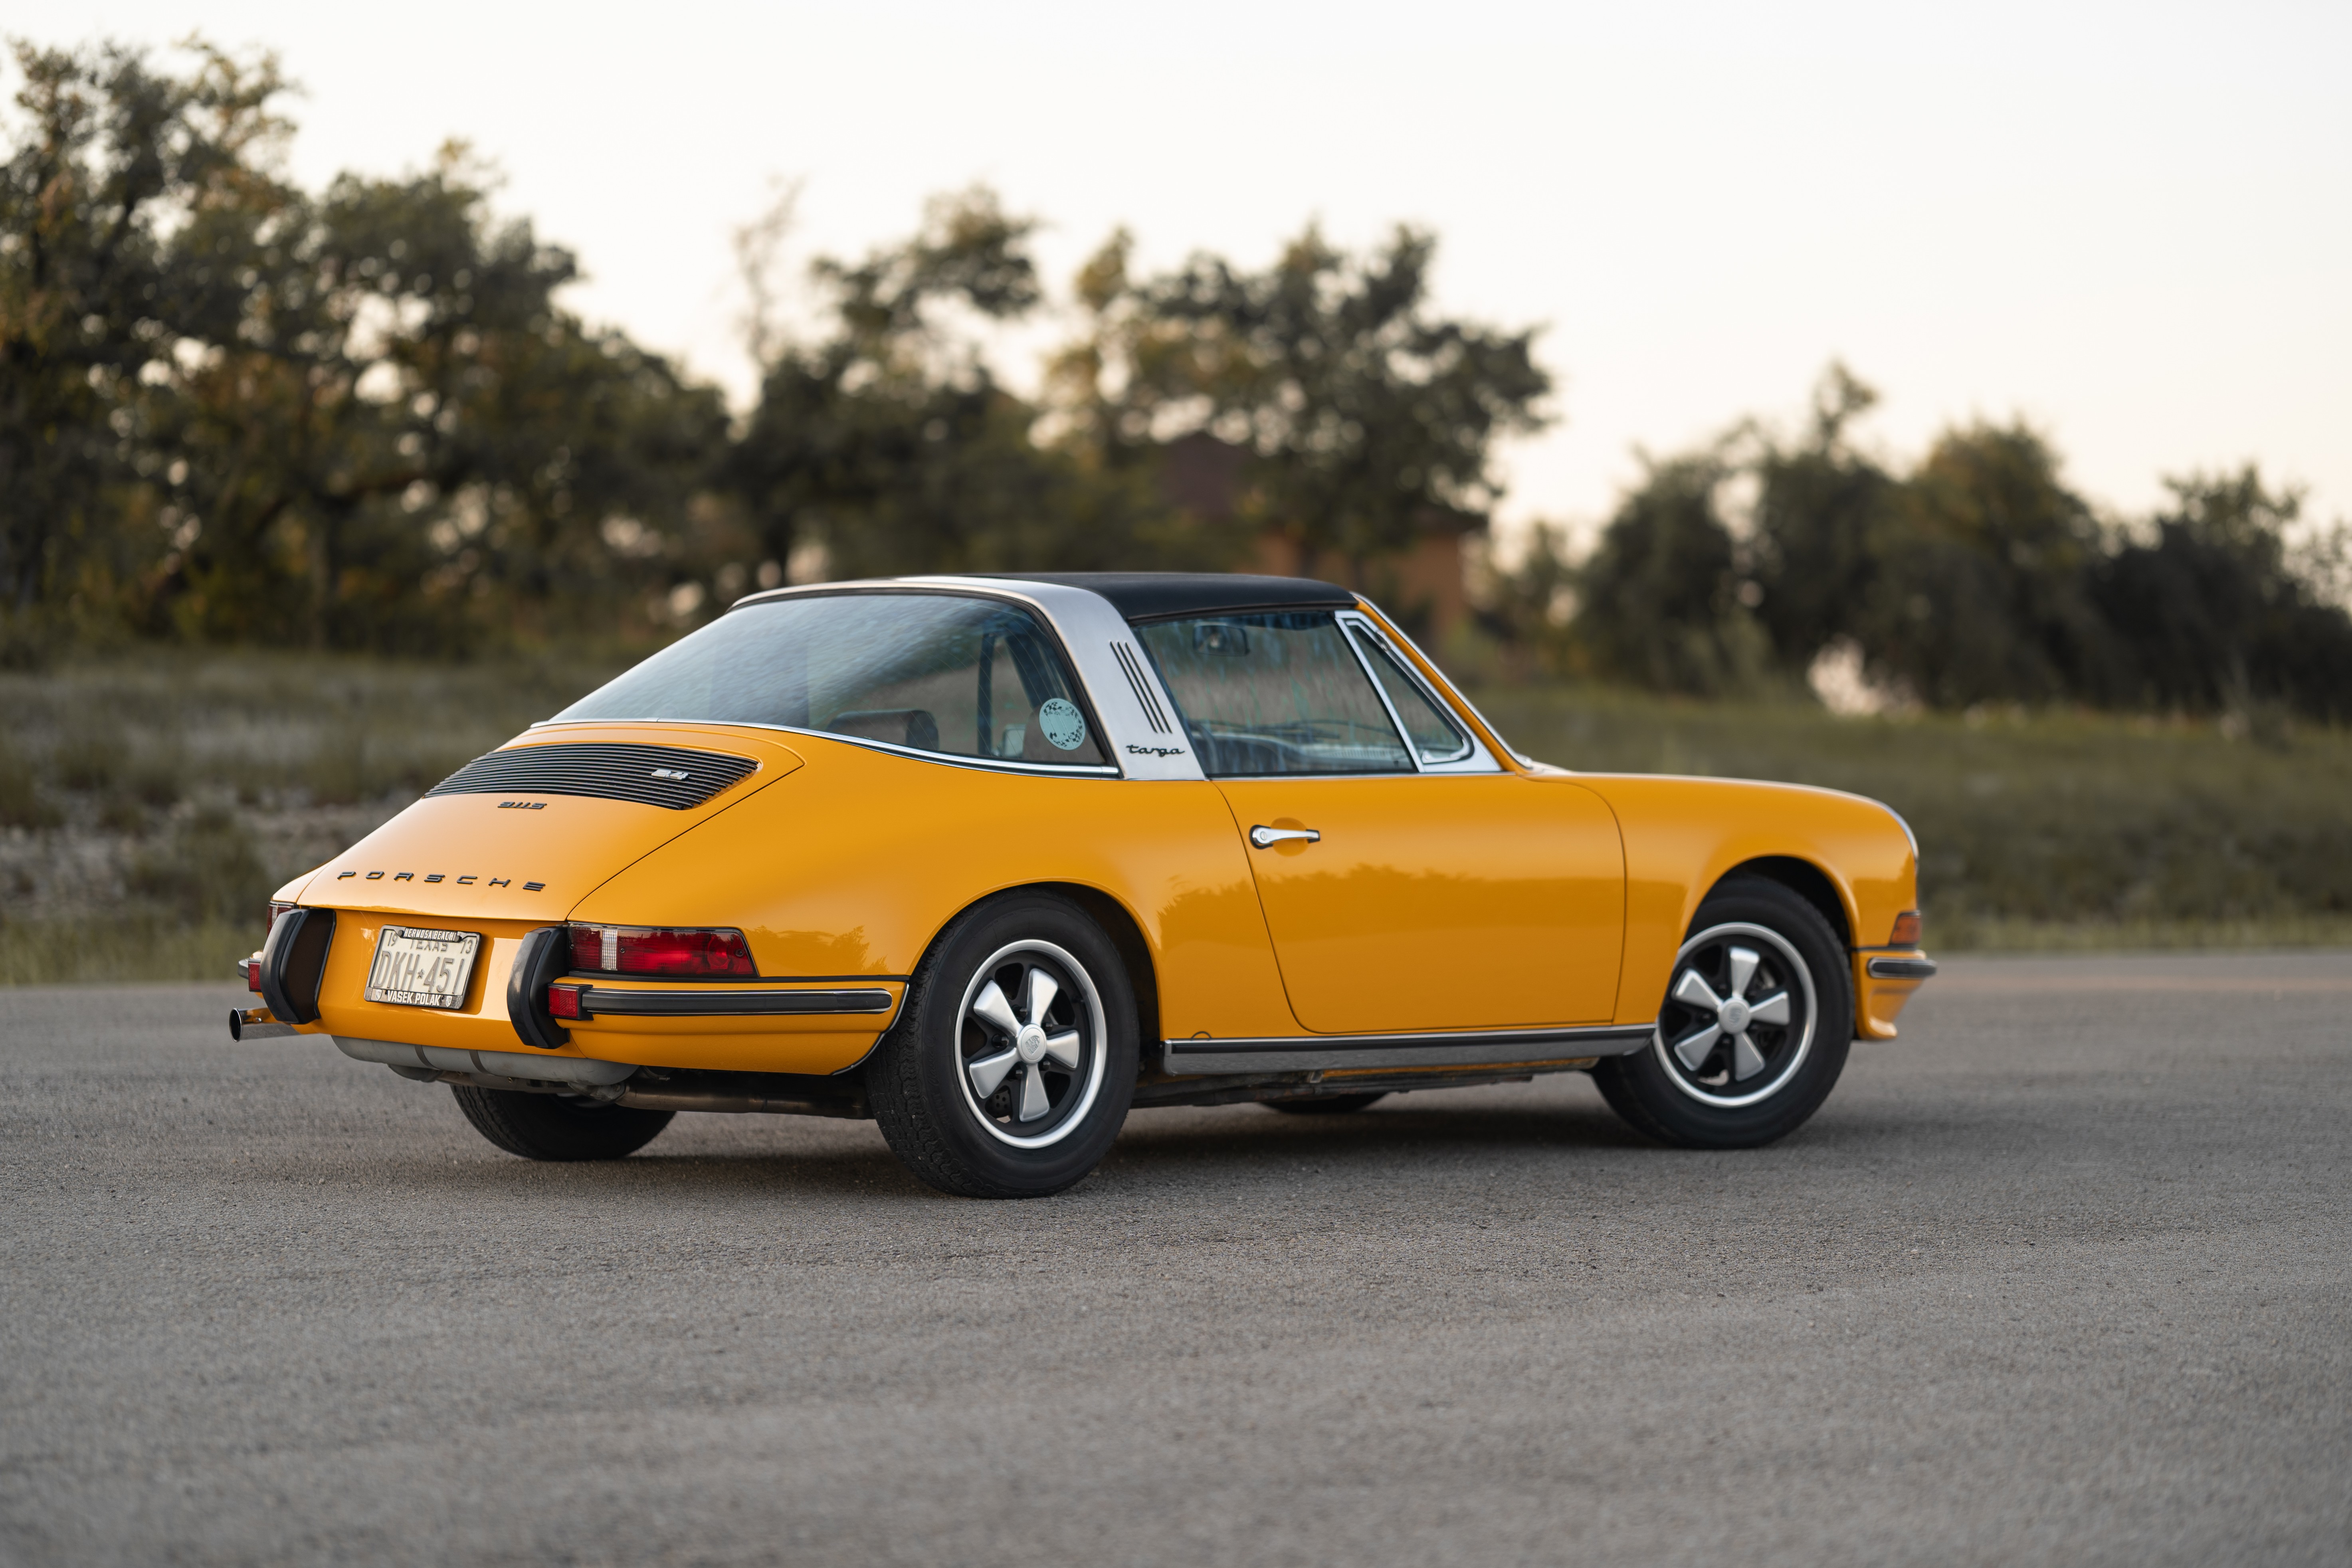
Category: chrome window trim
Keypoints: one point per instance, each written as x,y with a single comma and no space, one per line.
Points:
1472,758
947,759
1452,692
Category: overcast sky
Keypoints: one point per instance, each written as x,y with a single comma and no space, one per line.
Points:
2131,223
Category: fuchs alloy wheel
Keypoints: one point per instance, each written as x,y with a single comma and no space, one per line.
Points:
1032,1044
1758,1018
1013,1060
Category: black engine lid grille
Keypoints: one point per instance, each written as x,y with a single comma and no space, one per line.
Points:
671,776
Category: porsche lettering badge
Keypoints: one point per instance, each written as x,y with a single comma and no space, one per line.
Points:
465,881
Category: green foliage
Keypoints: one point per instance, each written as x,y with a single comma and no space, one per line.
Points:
2219,617
241,412
90,293
1982,593
1977,577
1823,512
244,412
206,870
1662,591
1364,416
21,803
116,948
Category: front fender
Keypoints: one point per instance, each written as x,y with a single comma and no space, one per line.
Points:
1683,835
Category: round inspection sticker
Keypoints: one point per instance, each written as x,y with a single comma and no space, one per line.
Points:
1062,723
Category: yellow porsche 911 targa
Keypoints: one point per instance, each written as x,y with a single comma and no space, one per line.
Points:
993,860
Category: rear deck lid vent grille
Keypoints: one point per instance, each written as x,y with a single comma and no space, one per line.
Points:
672,776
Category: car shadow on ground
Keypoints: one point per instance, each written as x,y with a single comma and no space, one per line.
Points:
1241,1144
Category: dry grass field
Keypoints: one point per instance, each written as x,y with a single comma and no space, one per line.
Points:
149,805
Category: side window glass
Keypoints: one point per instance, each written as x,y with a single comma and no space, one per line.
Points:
981,683
1279,693
1433,731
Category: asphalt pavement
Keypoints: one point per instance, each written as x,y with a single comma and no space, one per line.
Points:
2059,1277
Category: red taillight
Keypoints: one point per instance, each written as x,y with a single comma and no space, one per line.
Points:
563,1001
275,909
253,975
660,949
1907,930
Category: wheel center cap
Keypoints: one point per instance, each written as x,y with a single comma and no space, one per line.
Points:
1734,1017
1030,1042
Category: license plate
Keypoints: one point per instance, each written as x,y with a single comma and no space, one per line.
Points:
423,968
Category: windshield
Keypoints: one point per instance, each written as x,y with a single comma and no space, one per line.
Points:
939,672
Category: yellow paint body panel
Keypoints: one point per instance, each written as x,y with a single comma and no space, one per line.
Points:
857,863
1684,835
1440,900
1526,897
469,857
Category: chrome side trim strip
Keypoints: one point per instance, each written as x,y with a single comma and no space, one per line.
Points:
724,1001
492,1063
1921,968
1293,1053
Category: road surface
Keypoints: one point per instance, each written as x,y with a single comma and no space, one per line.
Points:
2059,1277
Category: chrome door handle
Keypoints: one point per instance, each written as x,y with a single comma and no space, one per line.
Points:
1268,838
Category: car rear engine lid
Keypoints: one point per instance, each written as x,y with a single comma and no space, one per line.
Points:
673,777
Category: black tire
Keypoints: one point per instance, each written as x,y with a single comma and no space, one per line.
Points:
558,1126
1325,1104
929,1081
1697,1093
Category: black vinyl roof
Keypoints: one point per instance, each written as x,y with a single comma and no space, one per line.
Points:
1146,595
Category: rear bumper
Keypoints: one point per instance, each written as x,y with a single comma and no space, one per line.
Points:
722,1001
1917,966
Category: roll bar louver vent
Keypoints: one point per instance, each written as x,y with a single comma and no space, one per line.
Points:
670,776
1131,664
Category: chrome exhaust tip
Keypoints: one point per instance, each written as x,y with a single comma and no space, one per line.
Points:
256,1023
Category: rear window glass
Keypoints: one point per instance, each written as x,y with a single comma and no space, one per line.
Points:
937,672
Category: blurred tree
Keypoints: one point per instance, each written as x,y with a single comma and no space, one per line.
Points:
1362,413
1981,591
2215,613
1661,600
115,165
888,443
1823,513
248,414
1528,608
394,433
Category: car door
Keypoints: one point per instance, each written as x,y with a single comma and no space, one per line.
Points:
1409,881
